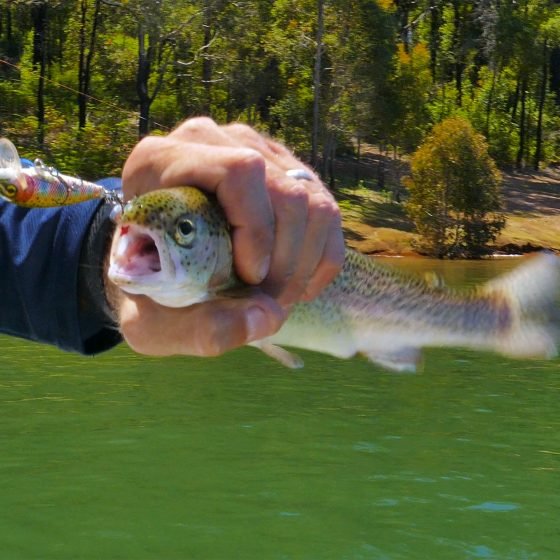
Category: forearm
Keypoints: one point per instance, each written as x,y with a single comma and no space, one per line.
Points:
45,294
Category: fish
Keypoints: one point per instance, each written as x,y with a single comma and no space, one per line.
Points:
174,246
40,186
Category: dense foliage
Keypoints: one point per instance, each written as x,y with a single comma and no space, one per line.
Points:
455,192
80,79
320,74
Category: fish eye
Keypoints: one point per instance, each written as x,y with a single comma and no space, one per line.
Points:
184,231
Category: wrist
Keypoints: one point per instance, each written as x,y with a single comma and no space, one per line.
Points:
98,297
113,294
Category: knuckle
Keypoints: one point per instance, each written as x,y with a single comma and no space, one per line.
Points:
292,200
242,131
298,193
246,167
324,209
196,126
249,159
148,144
247,172
297,197
142,154
280,150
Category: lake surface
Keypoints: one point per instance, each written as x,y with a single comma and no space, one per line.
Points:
120,456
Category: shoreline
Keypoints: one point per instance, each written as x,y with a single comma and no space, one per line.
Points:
401,247
375,221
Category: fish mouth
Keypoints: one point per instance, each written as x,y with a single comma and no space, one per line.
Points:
137,256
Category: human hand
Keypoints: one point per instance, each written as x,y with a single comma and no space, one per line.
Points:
286,235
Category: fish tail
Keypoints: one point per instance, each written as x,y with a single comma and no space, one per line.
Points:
532,293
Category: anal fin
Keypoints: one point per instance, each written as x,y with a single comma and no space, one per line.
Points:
406,359
281,355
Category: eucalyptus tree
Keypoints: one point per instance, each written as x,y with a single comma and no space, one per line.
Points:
156,26
46,47
549,38
455,199
89,22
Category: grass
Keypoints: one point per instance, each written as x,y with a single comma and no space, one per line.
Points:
375,223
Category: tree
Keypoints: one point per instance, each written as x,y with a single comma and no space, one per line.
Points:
86,52
40,13
157,25
550,35
317,81
455,192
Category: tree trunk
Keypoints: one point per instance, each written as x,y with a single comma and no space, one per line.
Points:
542,99
40,27
332,156
82,103
459,66
404,29
357,174
6,24
555,73
142,77
515,101
9,29
522,125
87,49
317,82
326,154
459,83
435,25
489,104
206,60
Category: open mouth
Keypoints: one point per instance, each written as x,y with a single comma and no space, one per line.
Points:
135,255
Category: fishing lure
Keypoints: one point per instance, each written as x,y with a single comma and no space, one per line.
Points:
41,186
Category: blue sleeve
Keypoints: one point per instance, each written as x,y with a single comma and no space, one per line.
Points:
41,293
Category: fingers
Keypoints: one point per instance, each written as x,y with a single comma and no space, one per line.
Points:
207,329
285,231
290,212
309,247
332,258
236,175
243,195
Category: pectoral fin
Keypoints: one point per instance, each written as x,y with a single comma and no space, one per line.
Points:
406,359
286,358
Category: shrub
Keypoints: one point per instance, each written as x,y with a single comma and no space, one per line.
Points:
455,200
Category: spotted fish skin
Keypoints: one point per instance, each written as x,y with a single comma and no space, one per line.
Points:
370,308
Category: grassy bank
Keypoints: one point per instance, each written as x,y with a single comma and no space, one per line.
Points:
375,223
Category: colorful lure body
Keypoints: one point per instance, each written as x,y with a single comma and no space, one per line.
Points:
40,186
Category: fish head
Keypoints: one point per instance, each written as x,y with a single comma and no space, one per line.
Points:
172,245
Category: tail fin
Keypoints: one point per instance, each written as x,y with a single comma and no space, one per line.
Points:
533,293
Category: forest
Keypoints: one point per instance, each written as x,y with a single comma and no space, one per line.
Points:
82,80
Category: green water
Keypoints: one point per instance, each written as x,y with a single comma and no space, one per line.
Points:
121,456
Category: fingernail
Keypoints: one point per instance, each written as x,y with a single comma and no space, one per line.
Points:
263,270
257,324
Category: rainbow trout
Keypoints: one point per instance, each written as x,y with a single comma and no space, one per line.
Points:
174,246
